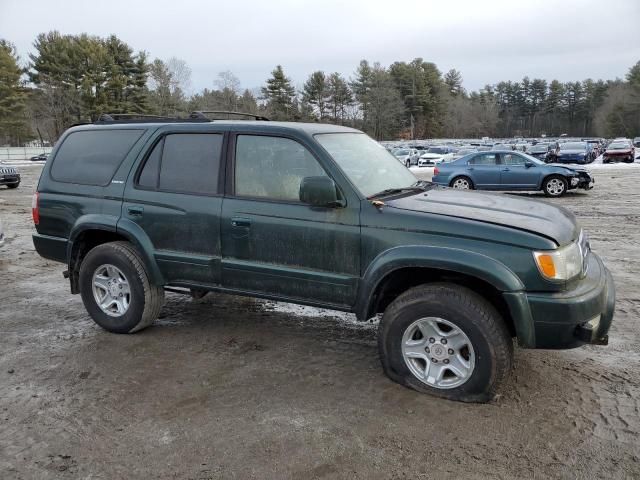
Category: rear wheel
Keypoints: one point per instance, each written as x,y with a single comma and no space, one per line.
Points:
445,340
115,288
555,186
462,183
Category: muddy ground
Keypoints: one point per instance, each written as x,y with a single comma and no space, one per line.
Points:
230,387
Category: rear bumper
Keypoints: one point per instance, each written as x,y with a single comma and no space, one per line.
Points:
52,248
568,319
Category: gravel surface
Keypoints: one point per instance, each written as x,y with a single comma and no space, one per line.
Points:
229,387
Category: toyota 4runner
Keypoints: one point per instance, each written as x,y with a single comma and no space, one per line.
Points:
318,215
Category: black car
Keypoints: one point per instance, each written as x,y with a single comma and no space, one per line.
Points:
40,158
9,176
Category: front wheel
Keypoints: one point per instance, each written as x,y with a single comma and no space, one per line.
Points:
445,340
462,183
555,186
116,290
13,185
407,163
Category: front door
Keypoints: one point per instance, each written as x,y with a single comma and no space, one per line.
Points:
175,200
275,245
515,174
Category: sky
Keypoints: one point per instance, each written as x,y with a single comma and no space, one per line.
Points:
486,40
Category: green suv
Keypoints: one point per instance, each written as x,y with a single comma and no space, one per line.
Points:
318,215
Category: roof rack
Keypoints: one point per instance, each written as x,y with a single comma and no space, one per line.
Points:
107,118
201,114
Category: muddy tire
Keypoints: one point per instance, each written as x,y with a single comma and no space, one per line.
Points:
115,288
555,186
445,340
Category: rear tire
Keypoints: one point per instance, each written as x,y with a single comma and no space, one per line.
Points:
555,186
479,346
462,183
106,272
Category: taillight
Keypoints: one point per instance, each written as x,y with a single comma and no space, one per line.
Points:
35,209
436,171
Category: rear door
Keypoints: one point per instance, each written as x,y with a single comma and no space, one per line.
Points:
515,174
174,200
275,245
484,170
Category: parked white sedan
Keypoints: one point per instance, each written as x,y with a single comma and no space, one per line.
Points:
435,156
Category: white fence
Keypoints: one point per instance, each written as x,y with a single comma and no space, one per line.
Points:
21,153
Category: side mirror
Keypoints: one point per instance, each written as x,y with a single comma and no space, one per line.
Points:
528,164
319,192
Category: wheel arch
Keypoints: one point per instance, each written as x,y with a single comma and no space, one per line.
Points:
401,268
93,230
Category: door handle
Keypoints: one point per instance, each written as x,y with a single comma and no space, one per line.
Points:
506,169
470,168
135,211
240,222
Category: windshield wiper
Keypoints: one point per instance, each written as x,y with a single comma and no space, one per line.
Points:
419,186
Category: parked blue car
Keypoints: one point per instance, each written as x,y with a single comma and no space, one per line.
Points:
509,170
575,152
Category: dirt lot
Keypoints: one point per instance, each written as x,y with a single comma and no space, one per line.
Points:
229,387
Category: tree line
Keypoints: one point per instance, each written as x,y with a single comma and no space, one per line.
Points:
70,79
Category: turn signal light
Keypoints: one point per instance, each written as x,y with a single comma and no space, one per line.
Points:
545,262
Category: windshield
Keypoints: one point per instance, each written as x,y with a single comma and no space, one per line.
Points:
618,146
437,150
367,164
538,148
573,146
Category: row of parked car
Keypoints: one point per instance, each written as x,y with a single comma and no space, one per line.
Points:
572,151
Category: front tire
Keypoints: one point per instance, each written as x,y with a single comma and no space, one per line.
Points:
445,340
462,183
116,291
407,163
14,185
555,186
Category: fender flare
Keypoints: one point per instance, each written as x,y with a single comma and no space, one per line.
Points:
129,230
442,258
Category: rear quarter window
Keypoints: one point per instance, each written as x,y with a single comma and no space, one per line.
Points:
91,157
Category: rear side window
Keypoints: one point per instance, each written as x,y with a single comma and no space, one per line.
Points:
484,159
92,157
184,162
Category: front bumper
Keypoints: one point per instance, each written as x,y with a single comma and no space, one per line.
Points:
9,179
577,316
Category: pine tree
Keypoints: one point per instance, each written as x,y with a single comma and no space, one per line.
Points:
340,97
280,96
453,81
13,125
315,92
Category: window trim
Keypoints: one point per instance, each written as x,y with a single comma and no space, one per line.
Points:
161,138
230,185
53,160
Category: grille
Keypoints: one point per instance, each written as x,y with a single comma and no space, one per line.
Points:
7,171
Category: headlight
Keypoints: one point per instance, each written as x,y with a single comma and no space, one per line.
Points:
561,264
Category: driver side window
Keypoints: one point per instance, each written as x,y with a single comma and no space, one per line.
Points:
512,159
272,167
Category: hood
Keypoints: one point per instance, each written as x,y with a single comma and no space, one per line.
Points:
427,156
541,218
575,168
